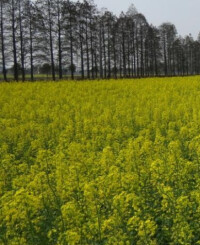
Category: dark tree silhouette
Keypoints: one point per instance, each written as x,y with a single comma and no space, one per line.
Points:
2,4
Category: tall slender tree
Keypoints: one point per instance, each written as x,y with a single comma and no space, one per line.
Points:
2,10
13,8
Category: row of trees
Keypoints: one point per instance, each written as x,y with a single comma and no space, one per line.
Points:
75,36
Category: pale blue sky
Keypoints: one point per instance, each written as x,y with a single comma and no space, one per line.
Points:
185,14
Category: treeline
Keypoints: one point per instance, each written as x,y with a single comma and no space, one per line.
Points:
62,37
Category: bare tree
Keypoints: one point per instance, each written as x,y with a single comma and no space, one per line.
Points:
2,10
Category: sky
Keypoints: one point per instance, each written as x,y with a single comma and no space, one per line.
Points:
185,14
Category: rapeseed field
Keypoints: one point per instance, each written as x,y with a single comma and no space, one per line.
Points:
100,162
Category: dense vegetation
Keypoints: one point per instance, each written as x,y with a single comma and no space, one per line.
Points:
100,162
63,37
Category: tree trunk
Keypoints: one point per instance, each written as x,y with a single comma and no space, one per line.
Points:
92,51
124,54
81,45
71,50
31,41
2,45
165,57
87,50
115,58
51,42
16,77
142,54
100,51
137,53
21,42
59,43
104,54
109,58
